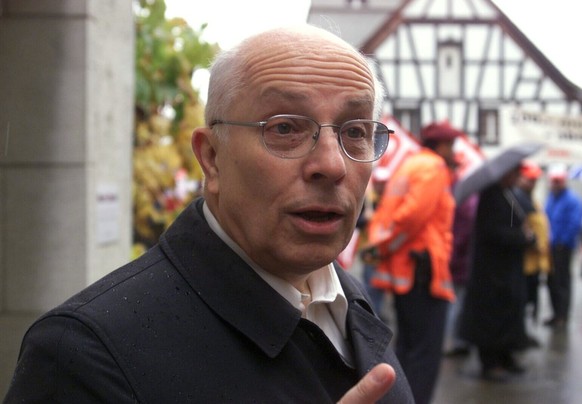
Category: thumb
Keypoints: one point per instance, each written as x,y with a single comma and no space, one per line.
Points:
372,386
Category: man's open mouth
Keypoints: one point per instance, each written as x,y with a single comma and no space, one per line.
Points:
315,216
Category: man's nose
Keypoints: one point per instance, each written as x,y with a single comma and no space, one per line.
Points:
328,156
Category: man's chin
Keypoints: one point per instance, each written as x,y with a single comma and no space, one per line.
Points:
314,261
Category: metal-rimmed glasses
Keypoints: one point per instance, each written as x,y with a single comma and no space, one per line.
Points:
295,136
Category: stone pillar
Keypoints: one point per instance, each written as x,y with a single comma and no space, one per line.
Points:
66,121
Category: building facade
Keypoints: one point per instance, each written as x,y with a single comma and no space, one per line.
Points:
464,61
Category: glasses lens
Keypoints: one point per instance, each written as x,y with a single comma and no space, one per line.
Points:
289,136
364,140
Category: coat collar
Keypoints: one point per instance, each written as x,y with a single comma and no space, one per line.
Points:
369,335
226,283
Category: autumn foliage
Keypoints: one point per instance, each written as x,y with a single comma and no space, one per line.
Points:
167,109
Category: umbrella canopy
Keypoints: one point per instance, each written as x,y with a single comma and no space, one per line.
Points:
493,170
576,172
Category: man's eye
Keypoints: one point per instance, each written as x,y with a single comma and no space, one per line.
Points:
283,128
355,132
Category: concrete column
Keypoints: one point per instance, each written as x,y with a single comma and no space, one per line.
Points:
66,119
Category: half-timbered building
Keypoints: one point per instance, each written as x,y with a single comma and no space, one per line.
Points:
465,61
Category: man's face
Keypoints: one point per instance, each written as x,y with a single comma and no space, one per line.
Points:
292,216
445,150
525,183
557,184
510,178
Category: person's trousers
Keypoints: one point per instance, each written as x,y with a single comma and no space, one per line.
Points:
421,321
453,321
532,283
559,281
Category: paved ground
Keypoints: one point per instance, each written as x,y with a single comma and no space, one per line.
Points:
554,370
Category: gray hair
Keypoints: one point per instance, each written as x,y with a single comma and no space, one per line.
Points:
379,91
225,84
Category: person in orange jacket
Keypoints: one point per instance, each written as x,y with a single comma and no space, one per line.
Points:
411,235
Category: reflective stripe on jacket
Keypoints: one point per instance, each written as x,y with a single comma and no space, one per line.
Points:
415,214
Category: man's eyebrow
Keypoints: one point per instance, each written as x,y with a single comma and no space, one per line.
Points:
360,102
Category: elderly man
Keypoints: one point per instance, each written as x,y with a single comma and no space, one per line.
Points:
240,300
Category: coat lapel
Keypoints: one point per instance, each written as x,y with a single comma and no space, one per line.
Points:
370,337
226,283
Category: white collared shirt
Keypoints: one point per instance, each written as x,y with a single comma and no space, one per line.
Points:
328,307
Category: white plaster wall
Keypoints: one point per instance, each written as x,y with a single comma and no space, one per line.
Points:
66,117
110,112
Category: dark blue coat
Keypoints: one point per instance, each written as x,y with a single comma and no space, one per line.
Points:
564,212
189,321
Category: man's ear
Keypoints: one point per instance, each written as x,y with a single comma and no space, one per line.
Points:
204,147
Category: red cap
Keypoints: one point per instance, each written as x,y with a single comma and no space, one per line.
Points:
530,170
439,131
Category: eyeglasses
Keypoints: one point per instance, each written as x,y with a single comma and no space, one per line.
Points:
295,136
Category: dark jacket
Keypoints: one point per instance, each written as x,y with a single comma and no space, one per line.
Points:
493,312
189,321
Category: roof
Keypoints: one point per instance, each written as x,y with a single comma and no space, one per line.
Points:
367,23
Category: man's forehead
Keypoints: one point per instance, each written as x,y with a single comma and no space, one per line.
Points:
306,72
320,56
274,94
289,100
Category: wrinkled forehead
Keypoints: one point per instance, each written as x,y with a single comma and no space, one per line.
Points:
305,57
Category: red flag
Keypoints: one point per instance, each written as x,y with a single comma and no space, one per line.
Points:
467,155
401,145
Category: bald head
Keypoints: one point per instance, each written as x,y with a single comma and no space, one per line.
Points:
290,214
285,54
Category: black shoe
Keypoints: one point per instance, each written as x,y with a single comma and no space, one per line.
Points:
527,343
496,374
509,363
531,342
457,352
556,322
550,322
514,368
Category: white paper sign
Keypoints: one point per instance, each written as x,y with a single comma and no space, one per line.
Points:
562,135
108,213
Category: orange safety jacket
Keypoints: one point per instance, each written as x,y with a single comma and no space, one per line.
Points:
415,214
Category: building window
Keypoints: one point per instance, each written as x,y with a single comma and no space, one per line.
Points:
488,127
409,118
450,69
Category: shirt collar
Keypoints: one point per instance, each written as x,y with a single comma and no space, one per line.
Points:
324,283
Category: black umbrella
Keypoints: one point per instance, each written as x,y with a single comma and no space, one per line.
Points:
493,170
